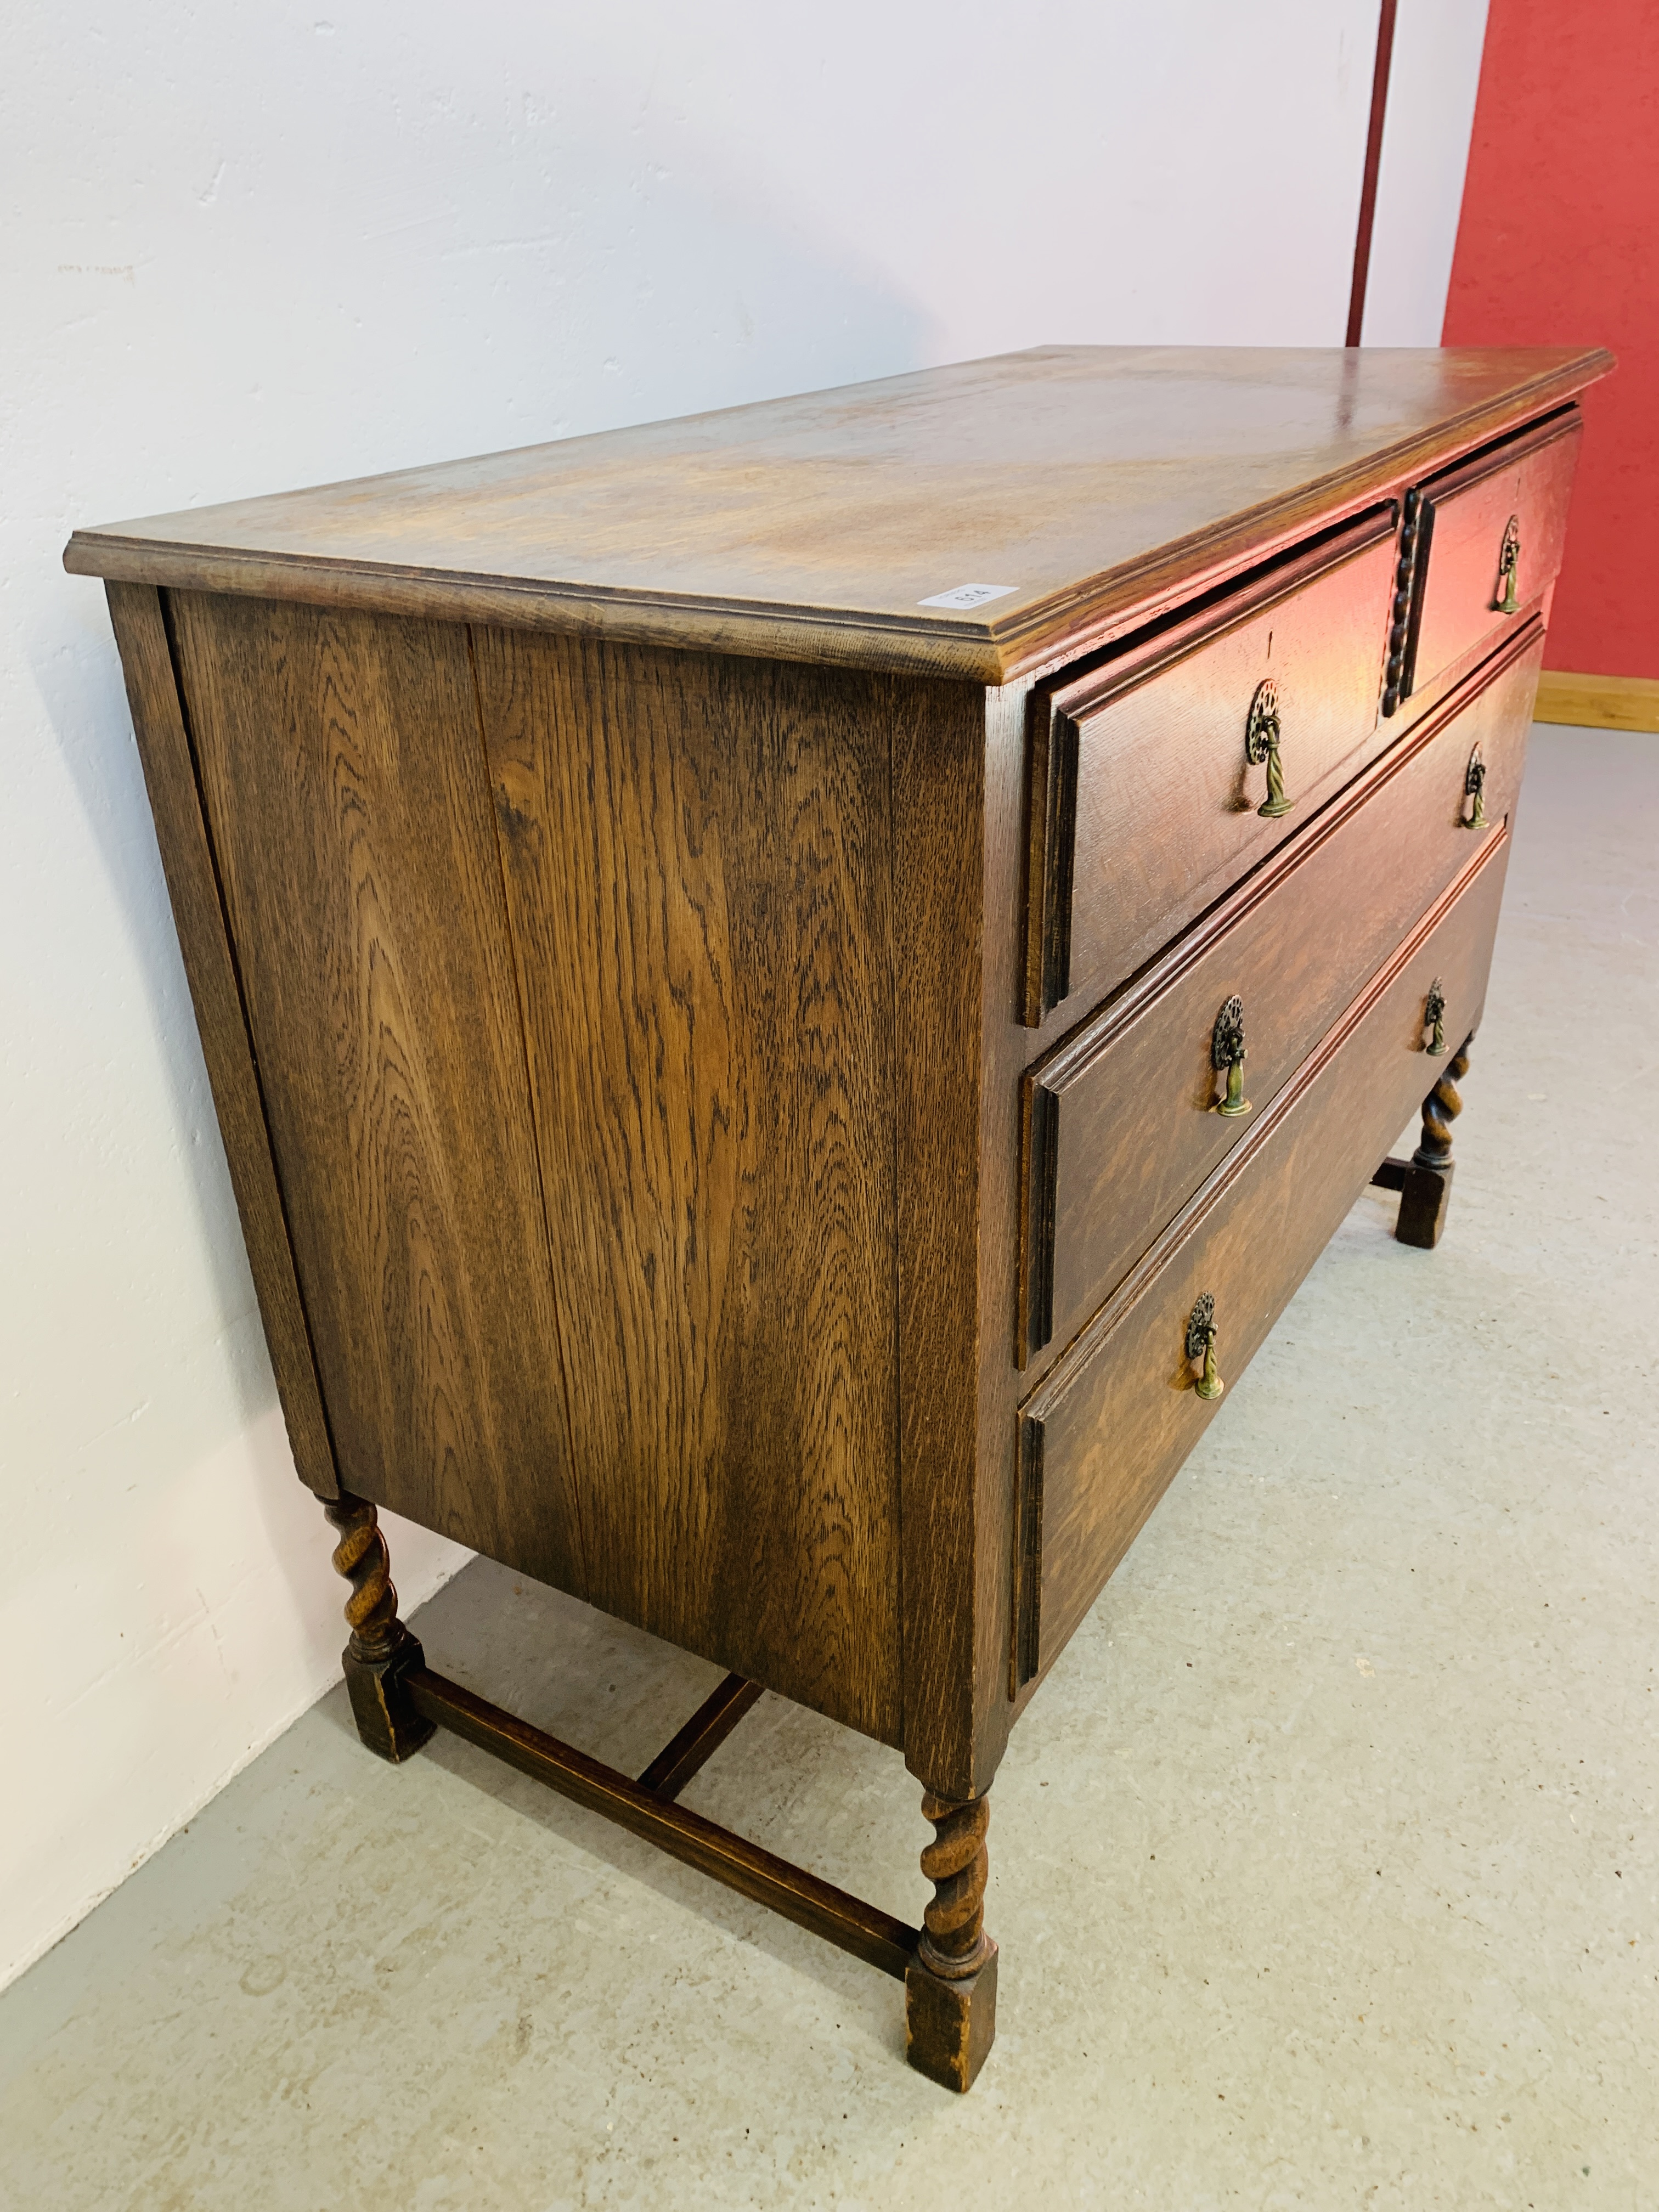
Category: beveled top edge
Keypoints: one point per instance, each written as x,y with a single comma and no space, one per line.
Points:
1042,626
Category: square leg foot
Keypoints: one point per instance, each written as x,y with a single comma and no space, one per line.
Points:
949,2026
387,1720
1425,1195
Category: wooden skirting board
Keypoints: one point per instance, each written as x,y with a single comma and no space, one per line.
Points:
1599,702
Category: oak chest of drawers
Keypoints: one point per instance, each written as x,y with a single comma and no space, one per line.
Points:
791,994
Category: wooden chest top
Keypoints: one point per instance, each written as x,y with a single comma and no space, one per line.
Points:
1085,483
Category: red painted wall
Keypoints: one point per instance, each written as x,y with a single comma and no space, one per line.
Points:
1559,244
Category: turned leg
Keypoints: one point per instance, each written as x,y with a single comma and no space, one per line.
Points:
1426,1188
381,1648
951,1987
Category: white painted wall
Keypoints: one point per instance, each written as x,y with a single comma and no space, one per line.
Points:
249,247
1426,150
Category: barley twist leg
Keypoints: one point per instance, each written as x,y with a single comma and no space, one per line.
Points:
954,1942
381,1650
1440,1109
1426,1192
951,1990
361,1557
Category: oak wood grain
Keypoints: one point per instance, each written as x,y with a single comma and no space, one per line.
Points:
1119,1121
344,776
953,1541
1464,516
1104,1434
698,868
1100,482
1077,690
188,862
1161,806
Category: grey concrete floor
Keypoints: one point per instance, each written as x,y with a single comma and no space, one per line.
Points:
1364,1913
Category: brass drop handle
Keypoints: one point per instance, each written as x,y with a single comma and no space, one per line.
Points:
1261,734
1474,787
1434,1019
1227,1057
1509,569
1200,1345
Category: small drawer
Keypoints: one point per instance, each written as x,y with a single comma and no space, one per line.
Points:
1482,544
1103,1436
1170,767
1123,1120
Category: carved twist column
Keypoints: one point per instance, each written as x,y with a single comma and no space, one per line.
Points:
954,1942
1426,1191
361,1557
950,1989
1440,1109
381,1649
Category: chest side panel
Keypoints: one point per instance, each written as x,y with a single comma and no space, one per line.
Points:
344,780
696,859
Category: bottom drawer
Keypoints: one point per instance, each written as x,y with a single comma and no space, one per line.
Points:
1103,1436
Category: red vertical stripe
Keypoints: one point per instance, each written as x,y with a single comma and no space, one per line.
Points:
1559,244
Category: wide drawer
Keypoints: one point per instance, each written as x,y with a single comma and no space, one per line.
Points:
1121,1121
1144,800
1484,543
1103,1436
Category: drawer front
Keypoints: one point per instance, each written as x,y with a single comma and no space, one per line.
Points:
1488,543
1121,1120
1104,1434
1143,804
